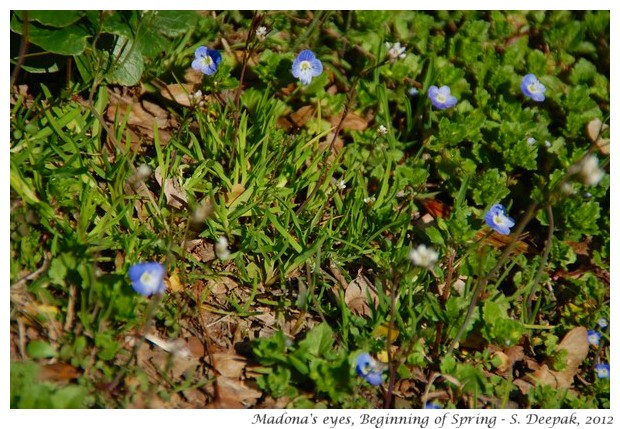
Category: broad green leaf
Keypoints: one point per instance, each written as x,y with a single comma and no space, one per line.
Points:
173,23
69,40
128,63
55,18
40,349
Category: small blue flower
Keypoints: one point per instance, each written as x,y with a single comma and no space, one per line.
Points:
413,91
147,278
441,98
206,60
603,323
602,370
432,406
531,87
306,66
369,369
496,218
594,337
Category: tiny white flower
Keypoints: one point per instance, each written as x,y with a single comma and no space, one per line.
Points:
602,322
547,143
531,140
567,188
395,51
590,172
143,172
261,33
423,256
370,200
221,248
341,185
382,131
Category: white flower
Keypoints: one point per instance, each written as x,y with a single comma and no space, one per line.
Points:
590,172
341,185
143,172
382,131
221,248
395,51
261,33
602,322
531,140
567,188
370,200
423,256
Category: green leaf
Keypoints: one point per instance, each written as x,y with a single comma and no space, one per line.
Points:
39,350
174,23
55,18
128,63
71,40
319,340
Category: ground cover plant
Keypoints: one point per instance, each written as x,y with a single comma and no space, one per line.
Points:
310,209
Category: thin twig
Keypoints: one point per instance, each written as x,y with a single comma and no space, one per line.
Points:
22,49
543,263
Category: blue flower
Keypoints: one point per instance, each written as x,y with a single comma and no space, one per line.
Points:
594,337
206,60
306,66
603,323
496,218
441,98
432,406
369,369
147,278
531,87
602,370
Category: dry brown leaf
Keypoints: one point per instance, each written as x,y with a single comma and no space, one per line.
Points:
357,295
575,342
175,194
142,117
193,76
595,131
221,285
196,347
202,249
173,282
508,358
234,394
235,192
59,371
179,93
229,365
351,122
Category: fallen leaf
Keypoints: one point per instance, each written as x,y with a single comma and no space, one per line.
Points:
233,394
59,371
175,194
595,130
357,295
173,283
229,365
142,117
352,121
178,92
236,190
576,345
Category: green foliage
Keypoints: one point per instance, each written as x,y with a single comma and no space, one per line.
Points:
319,225
28,392
314,361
